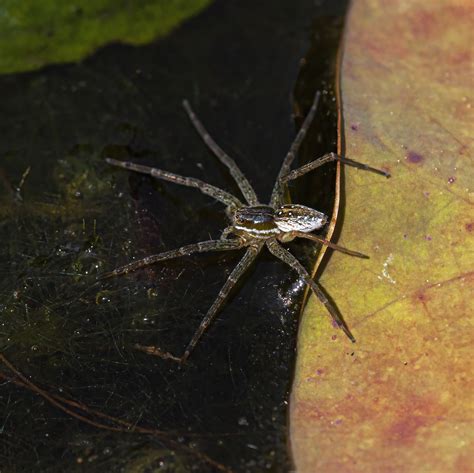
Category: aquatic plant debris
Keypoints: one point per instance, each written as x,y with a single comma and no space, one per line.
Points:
401,398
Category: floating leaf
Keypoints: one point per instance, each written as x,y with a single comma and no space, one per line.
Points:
37,33
400,399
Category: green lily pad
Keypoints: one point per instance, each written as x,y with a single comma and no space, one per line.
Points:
34,33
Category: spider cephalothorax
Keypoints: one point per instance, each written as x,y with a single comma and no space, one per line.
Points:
257,221
252,225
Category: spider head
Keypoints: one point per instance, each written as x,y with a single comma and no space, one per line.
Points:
256,220
293,217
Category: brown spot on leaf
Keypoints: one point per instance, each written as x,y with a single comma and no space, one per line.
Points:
469,226
421,296
424,25
415,414
414,157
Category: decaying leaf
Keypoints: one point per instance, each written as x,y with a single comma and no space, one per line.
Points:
400,399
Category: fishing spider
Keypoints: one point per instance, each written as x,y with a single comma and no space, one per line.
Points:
253,225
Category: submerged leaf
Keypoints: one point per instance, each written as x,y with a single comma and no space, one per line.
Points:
400,399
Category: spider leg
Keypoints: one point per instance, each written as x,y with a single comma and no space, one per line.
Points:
227,232
216,193
240,179
201,247
234,276
278,189
284,255
327,158
310,236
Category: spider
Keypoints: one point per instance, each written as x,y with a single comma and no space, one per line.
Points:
253,225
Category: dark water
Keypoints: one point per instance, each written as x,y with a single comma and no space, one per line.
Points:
239,64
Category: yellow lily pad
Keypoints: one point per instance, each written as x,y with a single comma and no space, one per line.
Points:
400,399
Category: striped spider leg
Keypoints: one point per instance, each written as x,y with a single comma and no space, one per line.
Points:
253,225
243,183
284,255
327,158
248,258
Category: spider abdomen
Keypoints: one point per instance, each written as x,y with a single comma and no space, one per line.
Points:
294,217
